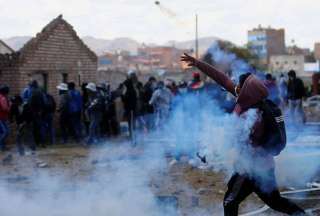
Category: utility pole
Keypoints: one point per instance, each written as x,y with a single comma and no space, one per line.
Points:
197,39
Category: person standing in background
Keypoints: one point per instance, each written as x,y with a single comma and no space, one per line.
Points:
161,100
296,92
75,109
4,116
149,88
36,102
48,116
64,111
130,100
94,111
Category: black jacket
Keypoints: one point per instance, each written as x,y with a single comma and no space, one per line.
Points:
148,91
296,89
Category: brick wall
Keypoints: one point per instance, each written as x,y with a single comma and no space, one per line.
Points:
55,54
61,54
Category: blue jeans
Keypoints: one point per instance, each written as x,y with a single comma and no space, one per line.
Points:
4,132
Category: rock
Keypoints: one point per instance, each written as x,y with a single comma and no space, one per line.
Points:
204,191
172,162
194,201
7,160
221,192
42,165
94,162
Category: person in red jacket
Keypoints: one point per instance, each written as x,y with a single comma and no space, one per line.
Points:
4,116
196,84
256,174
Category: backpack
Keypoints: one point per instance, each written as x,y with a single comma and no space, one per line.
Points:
49,103
274,139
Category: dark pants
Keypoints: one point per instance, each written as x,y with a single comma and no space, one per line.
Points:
4,132
241,186
48,127
131,117
75,125
150,121
22,134
38,130
64,127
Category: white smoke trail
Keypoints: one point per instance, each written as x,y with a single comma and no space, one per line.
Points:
174,17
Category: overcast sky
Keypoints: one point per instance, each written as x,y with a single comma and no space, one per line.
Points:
144,21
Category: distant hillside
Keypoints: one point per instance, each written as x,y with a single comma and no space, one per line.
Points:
17,42
100,46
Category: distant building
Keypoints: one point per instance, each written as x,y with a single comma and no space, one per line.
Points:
294,50
160,57
4,48
55,55
265,42
312,67
284,63
317,51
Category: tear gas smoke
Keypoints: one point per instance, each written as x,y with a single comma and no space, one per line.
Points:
220,57
121,184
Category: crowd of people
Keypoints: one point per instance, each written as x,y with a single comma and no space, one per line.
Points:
86,115
89,114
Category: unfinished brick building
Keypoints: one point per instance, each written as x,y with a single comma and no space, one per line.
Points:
55,55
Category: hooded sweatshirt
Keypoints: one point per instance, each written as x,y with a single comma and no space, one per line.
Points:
4,108
252,92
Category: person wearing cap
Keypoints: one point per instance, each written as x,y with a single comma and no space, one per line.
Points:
196,83
94,112
4,116
63,110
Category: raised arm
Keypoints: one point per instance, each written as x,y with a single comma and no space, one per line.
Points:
218,76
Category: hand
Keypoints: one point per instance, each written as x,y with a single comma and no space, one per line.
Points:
191,61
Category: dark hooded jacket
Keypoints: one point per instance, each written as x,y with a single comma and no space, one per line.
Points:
252,92
296,89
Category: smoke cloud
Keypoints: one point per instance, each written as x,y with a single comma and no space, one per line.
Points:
120,180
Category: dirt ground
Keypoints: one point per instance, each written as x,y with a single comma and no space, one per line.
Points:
190,187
